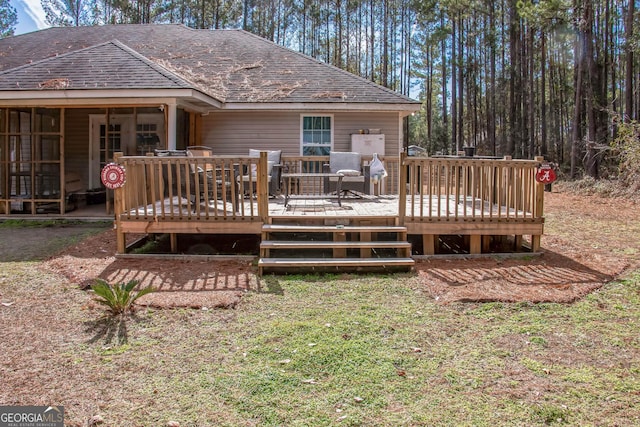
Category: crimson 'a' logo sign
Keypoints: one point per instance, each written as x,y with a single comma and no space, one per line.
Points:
546,174
113,176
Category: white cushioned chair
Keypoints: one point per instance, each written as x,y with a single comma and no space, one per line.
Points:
356,177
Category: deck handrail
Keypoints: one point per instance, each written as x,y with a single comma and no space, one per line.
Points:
429,188
190,188
470,189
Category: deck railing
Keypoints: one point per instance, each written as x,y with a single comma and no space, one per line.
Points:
185,194
181,188
226,188
470,189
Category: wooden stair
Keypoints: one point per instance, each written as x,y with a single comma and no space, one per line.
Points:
334,248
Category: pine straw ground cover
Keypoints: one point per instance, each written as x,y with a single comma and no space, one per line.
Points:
458,342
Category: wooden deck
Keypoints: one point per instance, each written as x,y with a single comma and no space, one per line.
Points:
481,200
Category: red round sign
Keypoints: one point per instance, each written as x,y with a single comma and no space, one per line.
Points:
113,176
546,174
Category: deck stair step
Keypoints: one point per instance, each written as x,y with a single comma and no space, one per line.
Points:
283,228
336,264
313,244
299,248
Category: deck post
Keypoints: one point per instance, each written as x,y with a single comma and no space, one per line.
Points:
171,118
365,236
486,243
539,209
402,189
339,236
173,240
429,244
475,244
118,195
263,190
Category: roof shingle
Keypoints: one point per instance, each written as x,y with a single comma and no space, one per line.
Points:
109,65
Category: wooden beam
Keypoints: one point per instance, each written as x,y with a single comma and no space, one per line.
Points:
191,227
470,228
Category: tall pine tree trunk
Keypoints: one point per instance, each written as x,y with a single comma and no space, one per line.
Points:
629,86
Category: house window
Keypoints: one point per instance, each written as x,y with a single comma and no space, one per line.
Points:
317,135
147,138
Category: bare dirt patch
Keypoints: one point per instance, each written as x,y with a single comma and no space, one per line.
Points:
192,283
589,240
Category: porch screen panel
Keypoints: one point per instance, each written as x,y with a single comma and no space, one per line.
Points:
31,154
19,169
47,167
47,150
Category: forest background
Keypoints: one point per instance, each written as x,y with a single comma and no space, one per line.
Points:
520,78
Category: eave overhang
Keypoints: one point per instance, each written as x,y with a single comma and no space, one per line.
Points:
185,97
406,108
188,98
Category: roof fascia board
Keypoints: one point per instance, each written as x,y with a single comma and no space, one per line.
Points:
378,107
99,97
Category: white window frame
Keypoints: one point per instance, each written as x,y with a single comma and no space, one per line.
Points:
303,116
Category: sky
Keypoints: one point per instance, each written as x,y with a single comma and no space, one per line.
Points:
31,17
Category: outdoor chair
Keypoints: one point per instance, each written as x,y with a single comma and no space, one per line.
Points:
274,172
203,174
170,169
356,177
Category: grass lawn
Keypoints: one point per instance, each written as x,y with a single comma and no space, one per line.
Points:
321,351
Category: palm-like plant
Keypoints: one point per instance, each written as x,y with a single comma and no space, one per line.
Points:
119,298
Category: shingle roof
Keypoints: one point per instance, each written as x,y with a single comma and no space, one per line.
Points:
109,65
229,65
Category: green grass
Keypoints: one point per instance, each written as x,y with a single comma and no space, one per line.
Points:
38,223
347,350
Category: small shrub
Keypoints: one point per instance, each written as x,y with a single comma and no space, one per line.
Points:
118,298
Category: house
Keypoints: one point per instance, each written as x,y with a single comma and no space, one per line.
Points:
71,97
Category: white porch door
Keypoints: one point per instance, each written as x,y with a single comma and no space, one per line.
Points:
122,135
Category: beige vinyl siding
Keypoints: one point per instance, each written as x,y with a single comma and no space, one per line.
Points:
234,133
346,124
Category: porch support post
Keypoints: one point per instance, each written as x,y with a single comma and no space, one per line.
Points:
171,117
118,201
539,208
402,189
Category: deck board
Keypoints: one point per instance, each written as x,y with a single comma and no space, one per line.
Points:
386,205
